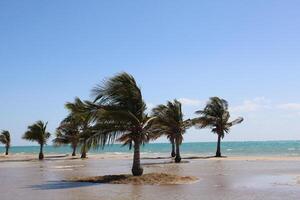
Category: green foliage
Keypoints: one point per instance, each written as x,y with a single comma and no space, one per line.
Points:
37,132
169,121
216,116
76,127
5,138
119,112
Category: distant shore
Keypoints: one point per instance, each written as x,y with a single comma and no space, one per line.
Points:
231,149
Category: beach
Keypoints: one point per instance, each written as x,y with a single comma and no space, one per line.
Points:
234,177
150,100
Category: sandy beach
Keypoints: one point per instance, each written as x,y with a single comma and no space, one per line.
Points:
23,177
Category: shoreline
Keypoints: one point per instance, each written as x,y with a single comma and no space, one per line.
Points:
144,156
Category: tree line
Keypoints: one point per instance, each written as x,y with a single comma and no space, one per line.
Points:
117,113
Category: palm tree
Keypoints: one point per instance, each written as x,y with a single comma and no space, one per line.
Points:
37,132
169,121
68,133
216,116
74,129
83,119
120,115
5,139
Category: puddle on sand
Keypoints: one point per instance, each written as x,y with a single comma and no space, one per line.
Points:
269,181
67,167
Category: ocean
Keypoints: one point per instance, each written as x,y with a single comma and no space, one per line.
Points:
261,148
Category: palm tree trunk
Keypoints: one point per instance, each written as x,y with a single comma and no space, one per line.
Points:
137,170
173,148
83,151
83,154
41,154
177,158
218,153
6,150
74,150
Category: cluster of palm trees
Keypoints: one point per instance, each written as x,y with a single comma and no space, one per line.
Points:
118,114
76,128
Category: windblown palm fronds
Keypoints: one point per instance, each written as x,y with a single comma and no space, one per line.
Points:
169,121
80,120
37,132
216,116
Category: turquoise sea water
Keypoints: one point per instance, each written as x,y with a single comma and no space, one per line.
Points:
266,148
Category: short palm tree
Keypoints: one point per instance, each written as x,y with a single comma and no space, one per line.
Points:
83,119
68,133
120,115
216,116
5,139
37,132
169,121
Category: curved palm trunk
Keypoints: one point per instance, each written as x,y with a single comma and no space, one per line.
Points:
177,158
137,170
173,148
41,154
218,153
6,150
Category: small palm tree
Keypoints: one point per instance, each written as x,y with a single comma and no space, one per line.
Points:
216,116
37,132
74,129
120,115
68,133
5,139
83,119
169,121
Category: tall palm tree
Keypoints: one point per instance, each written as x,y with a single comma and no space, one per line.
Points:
68,133
169,121
120,115
216,116
5,139
83,119
37,132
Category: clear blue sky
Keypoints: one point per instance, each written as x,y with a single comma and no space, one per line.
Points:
247,52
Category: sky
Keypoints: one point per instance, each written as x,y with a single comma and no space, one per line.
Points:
246,52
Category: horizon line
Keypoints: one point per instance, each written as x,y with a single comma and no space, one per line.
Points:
169,143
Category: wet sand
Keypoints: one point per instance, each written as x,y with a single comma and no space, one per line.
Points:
145,179
224,178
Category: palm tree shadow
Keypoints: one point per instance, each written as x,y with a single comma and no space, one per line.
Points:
203,157
58,185
185,158
156,158
160,163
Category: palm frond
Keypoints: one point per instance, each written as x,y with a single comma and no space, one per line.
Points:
215,115
5,138
119,112
37,132
169,121
236,121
